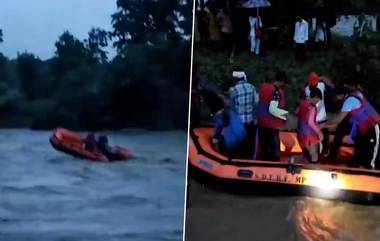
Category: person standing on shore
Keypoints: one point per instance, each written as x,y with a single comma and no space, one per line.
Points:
301,36
320,34
255,33
215,33
227,31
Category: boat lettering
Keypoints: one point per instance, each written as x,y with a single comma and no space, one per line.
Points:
282,179
300,179
271,178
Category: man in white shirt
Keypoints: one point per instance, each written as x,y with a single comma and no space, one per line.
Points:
301,36
321,109
364,126
315,81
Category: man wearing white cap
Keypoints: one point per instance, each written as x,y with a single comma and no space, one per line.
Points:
244,97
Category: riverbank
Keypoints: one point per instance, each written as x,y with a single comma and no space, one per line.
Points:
46,115
217,68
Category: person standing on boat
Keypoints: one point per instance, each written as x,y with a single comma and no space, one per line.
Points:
364,123
324,85
309,135
243,98
272,117
314,81
202,20
229,130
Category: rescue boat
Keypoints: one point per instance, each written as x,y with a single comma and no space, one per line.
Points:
329,181
73,143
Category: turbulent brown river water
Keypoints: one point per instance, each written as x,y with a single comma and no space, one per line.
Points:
47,195
216,215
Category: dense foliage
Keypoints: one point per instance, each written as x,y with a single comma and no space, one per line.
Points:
357,57
144,85
360,59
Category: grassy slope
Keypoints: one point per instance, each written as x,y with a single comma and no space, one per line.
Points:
217,68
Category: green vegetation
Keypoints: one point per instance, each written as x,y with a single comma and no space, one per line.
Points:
358,58
145,85
217,68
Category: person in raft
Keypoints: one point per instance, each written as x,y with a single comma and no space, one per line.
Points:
229,130
324,85
90,142
244,98
104,146
236,120
308,132
271,117
344,127
217,104
364,123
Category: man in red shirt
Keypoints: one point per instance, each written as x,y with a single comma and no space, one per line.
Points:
271,117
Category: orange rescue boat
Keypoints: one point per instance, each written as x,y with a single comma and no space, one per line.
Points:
331,181
72,143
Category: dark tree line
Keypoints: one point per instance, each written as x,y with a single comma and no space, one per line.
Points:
354,57
144,85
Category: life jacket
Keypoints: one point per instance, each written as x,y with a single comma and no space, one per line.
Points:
363,118
266,119
235,131
306,135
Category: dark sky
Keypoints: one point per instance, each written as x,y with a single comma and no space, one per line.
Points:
34,25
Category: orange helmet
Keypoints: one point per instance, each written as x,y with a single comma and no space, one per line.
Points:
313,79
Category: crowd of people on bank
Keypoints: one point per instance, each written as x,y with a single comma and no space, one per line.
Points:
247,121
216,29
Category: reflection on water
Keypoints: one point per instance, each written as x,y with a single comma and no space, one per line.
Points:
214,214
322,220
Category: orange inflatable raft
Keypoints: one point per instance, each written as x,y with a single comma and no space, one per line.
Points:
73,144
332,181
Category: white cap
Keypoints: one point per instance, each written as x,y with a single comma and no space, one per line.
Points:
239,75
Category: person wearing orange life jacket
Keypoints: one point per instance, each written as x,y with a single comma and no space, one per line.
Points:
309,135
364,123
271,117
